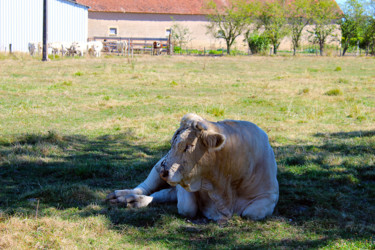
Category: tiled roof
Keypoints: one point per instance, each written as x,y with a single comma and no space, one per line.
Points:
188,7
75,2
182,7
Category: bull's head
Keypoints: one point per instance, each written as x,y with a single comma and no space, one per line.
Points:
192,145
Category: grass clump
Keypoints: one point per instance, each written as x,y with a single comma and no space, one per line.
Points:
361,118
216,111
53,57
343,80
313,70
334,92
173,83
338,68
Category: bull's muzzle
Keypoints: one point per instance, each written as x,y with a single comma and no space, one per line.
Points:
163,172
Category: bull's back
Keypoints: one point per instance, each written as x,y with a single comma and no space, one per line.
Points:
245,134
251,156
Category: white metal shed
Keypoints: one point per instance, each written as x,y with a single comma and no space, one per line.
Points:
21,22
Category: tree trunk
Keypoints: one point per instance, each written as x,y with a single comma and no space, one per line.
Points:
344,50
275,50
367,49
228,48
321,49
294,51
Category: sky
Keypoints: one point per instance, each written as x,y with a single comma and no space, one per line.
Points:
340,2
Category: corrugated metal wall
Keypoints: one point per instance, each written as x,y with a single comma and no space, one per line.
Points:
67,21
21,22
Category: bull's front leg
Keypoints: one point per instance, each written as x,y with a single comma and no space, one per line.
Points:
140,196
223,206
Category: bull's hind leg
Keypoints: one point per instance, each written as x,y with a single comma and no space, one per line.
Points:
261,207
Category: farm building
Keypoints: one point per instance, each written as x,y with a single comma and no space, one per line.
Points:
149,19
153,19
21,22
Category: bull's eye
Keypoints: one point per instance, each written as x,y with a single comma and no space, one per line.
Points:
188,148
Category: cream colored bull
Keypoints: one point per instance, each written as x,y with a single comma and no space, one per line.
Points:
217,168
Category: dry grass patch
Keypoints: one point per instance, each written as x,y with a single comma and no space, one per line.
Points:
55,233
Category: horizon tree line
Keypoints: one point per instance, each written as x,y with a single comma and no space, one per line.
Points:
269,22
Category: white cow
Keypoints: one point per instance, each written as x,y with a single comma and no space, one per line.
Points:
216,168
55,47
35,47
121,47
65,47
79,48
32,46
95,48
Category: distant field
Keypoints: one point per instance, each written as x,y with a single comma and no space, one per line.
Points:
73,130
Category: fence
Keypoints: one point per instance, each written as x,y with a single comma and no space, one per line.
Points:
136,45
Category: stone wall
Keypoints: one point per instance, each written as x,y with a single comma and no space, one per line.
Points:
140,25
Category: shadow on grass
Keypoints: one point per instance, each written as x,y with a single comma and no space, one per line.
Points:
327,189
69,171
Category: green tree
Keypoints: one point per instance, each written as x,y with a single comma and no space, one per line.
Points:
368,35
325,14
226,21
181,35
352,24
272,17
299,16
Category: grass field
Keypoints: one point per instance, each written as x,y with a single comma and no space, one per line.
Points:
73,130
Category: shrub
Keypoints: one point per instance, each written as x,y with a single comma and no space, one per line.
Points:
177,50
215,52
256,42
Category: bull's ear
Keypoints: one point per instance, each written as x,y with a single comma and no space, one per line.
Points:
213,141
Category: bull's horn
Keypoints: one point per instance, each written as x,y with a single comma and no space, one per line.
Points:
200,125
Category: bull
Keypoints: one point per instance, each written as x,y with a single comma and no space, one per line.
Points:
214,168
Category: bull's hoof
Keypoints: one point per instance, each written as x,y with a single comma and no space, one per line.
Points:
110,196
137,201
222,222
199,221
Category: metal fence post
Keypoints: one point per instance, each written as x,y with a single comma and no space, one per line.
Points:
45,32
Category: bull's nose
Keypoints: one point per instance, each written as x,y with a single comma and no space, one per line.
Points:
164,174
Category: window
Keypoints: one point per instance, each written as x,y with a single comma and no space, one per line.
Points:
167,32
113,31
